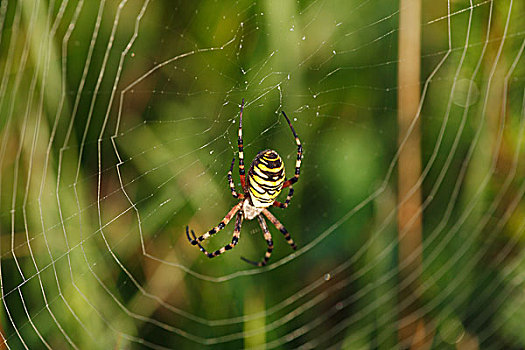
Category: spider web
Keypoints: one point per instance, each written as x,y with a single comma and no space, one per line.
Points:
119,122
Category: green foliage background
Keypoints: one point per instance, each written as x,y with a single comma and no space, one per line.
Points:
118,125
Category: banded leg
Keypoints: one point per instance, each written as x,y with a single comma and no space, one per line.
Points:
286,202
294,179
230,181
235,239
269,242
216,229
280,227
241,152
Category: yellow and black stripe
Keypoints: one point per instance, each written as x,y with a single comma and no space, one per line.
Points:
265,178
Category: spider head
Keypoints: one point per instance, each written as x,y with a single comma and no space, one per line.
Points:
265,178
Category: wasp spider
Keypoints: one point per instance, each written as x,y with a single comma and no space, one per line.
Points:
265,181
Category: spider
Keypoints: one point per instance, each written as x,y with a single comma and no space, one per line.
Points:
265,181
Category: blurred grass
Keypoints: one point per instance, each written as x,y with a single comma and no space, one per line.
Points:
106,264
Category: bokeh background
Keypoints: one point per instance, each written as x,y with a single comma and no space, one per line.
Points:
118,123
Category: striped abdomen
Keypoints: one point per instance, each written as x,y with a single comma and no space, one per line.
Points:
265,178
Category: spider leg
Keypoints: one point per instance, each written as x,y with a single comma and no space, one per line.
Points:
280,227
232,185
294,179
286,202
269,242
235,239
241,153
216,229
